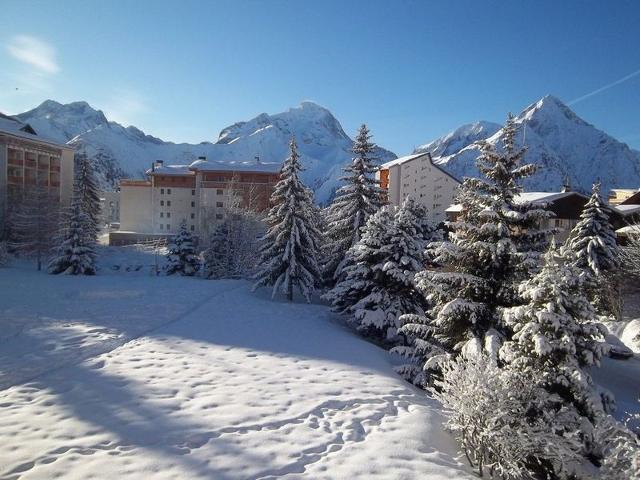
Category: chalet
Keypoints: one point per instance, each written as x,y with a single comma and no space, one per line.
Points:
566,207
199,194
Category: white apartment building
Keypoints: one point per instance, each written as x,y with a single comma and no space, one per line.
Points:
418,176
199,194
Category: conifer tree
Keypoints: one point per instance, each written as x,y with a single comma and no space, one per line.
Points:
290,248
75,255
378,284
493,242
595,249
354,203
218,257
555,333
89,193
182,257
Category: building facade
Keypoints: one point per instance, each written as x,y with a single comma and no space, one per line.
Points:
199,194
417,176
28,161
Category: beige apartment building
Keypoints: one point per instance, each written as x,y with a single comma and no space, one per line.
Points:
418,176
199,194
29,160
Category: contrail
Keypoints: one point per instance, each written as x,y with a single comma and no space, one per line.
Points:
606,87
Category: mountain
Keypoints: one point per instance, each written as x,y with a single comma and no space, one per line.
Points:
564,146
119,151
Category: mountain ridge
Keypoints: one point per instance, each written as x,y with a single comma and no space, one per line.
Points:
119,151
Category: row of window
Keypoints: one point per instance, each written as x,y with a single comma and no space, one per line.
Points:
219,191
192,227
168,215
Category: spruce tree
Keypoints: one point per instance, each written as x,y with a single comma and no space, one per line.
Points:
556,339
182,257
89,193
494,242
290,248
75,255
595,249
354,203
378,284
555,333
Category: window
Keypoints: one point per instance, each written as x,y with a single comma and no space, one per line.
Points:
168,203
168,226
193,215
193,227
218,216
219,204
218,192
168,214
193,192
193,204
161,226
168,191
161,214
162,191
162,203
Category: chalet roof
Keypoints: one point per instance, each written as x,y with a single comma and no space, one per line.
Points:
16,128
632,200
528,197
625,210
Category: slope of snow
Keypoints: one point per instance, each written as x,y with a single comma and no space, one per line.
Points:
563,146
459,138
210,381
118,151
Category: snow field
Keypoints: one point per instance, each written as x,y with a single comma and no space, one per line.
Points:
233,386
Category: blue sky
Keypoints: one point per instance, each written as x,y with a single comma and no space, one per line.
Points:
412,70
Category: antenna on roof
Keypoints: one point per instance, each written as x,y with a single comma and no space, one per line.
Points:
257,157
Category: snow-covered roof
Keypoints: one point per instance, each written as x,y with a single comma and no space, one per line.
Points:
542,197
629,230
171,170
16,128
235,166
401,160
627,209
527,197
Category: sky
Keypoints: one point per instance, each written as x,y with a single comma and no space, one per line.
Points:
411,70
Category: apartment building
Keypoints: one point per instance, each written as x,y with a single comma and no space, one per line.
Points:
418,176
28,160
199,194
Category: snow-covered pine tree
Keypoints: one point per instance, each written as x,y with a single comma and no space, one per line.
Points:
492,243
217,258
75,254
89,193
378,284
182,257
556,339
594,246
290,248
555,333
352,206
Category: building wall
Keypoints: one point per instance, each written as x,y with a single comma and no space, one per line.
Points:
28,163
135,206
426,183
171,206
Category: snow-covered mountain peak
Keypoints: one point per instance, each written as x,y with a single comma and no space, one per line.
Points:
119,151
459,138
562,145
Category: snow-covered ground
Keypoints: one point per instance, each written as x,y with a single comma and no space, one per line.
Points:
128,375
